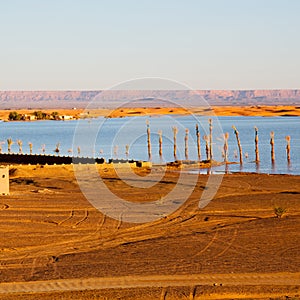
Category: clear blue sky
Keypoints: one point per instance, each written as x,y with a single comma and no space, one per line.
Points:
94,44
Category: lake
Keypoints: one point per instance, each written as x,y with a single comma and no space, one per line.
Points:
108,138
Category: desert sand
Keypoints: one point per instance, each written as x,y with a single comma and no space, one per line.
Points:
56,245
258,110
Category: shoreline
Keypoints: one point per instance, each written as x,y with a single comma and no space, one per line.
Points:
258,110
187,166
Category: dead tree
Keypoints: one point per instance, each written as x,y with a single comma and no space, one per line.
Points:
272,143
57,148
210,139
149,140
20,144
127,150
186,144
160,144
226,136
175,131
239,144
43,148
116,148
205,138
9,143
198,142
256,145
288,148
30,147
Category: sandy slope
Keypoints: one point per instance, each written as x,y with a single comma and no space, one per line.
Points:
50,232
259,110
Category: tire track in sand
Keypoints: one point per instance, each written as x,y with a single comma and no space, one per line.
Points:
150,281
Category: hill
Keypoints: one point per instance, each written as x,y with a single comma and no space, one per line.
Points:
107,99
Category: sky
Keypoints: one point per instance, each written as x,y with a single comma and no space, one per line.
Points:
96,44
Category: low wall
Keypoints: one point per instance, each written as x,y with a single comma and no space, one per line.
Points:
35,159
43,159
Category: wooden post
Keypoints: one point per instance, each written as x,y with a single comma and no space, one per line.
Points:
198,142
186,144
175,131
210,139
149,140
272,147
288,148
239,144
256,145
205,138
226,136
160,144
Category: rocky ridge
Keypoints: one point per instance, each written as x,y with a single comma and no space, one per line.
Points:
68,99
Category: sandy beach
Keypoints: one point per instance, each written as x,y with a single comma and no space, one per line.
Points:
56,245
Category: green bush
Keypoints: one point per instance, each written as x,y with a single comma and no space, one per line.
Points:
14,116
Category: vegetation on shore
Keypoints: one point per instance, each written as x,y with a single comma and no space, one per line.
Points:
38,115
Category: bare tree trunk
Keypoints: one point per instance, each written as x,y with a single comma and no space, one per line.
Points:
30,147
288,148
272,147
20,144
175,131
57,148
9,143
226,136
127,150
205,138
116,148
43,148
239,144
210,139
149,140
186,144
160,143
256,145
198,142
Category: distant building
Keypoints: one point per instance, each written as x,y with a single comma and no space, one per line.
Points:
65,117
26,117
4,180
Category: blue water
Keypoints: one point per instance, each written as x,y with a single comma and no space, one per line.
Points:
108,138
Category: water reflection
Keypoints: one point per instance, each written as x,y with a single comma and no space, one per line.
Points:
257,167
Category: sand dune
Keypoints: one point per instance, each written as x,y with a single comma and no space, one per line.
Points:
266,111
